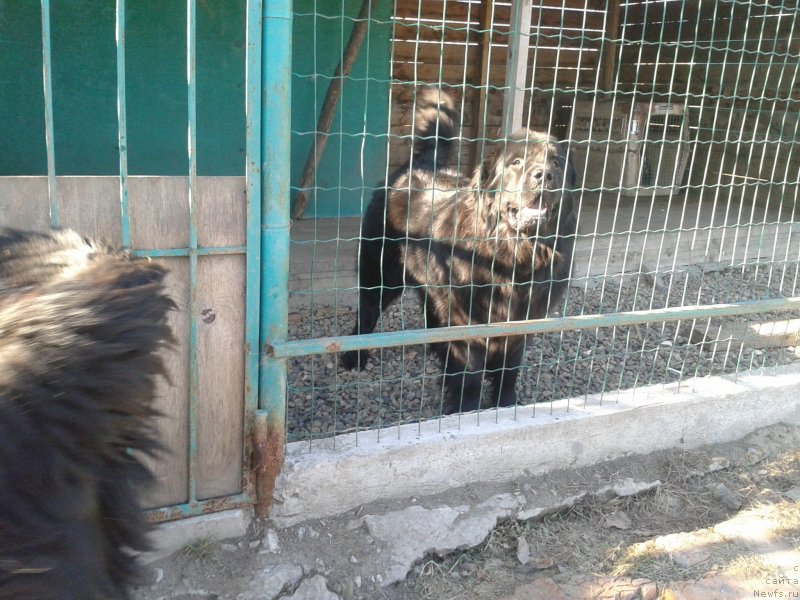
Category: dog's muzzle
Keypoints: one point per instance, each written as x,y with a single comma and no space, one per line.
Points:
528,220
525,219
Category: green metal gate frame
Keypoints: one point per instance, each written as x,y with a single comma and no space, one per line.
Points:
251,250
268,81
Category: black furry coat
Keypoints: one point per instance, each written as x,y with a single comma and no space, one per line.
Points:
80,327
492,248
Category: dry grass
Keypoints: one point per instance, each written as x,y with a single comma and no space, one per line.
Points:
787,517
784,470
200,549
750,566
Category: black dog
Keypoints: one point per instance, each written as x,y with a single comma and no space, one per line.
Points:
495,248
80,325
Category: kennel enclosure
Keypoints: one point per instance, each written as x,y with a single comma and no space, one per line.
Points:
181,130
643,148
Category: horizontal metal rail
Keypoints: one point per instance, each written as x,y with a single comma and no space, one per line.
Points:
169,252
329,345
199,507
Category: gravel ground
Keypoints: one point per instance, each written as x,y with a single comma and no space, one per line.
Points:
404,384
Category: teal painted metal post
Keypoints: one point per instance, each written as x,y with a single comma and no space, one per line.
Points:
253,259
194,376
122,127
47,84
275,153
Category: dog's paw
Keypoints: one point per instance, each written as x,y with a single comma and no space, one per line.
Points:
354,359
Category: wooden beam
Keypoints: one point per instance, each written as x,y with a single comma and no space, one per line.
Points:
609,61
327,113
517,72
480,107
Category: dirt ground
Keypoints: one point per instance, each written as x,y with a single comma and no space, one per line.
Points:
596,545
724,522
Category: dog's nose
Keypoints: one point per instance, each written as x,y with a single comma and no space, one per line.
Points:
542,175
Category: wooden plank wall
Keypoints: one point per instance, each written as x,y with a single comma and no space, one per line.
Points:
159,219
736,65
461,46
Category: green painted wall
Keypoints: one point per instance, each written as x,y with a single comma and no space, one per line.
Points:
84,87
355,157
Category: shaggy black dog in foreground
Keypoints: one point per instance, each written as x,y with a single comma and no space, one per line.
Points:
493,248
80,325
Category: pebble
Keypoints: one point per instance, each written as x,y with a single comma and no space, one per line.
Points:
271,541
308,531
718,463
523,550
314,588
731,500
793,494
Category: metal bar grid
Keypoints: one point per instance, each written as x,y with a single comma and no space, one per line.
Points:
432,37
193,251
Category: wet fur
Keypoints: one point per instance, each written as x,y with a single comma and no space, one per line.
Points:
492,248
80,325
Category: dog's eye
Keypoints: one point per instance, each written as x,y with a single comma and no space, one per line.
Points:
517,162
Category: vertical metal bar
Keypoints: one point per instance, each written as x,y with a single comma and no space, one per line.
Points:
253,186
191,23
275,151
517,72
122,127
47,71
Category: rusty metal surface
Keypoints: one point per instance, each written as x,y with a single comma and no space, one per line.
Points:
268,453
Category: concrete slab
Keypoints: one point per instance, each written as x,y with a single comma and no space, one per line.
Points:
493,446
269,582
314,588
414,532
168,538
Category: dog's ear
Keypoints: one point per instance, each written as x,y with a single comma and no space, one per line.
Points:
485,181
486,171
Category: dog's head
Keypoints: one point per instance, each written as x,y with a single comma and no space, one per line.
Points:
525,183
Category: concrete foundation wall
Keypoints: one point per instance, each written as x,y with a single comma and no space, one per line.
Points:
416,460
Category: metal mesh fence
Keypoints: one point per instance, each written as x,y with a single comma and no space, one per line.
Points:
681,121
